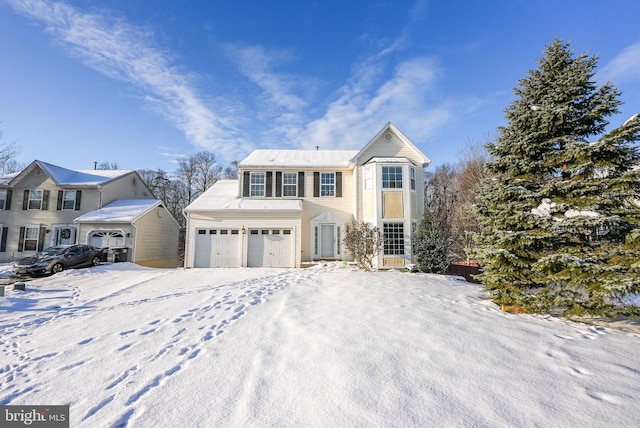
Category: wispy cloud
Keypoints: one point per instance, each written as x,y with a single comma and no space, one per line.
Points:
373,97
625,66
122,51
259,64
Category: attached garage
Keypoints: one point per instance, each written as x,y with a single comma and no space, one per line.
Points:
218,248
270,248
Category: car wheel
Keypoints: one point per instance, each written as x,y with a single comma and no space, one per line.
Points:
57,268
95,261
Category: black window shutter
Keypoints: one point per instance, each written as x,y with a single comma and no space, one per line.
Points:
45,200
269,184
316,184
21,240
7,204
338,184
25,200
78,198
60,196
301,184
3,240
278,184
246,182
43,230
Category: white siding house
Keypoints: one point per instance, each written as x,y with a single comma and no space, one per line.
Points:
293,206
40,207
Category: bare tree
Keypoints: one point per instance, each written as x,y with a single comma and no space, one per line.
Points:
107,166
365,242
231,172
8,154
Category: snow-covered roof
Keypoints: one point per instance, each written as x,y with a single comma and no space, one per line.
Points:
5,179
223,196
69,177
120,211
299,158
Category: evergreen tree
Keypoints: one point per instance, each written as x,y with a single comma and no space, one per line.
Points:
559,211
430,247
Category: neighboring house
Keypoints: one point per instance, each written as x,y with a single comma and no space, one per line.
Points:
293,206
41,205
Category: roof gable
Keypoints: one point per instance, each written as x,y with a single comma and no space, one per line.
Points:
389,134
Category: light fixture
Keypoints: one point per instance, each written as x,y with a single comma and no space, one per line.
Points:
243,230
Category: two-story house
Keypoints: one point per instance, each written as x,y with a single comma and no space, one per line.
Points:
293,206
45,205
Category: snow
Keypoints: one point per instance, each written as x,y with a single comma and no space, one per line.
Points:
223,195
126,345
66,177
546,207
120,211
300,158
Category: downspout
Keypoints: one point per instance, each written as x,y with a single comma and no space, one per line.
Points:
135,242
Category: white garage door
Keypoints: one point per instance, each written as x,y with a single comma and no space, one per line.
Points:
217,248
270,248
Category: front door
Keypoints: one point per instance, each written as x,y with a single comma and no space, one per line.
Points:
327,240
64,235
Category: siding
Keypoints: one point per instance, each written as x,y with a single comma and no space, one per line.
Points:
156,240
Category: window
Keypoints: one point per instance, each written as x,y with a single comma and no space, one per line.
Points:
289,183
412,172
202,232
392,177
327,184
257,183
3,199
31,238
69,200
393,238
35,200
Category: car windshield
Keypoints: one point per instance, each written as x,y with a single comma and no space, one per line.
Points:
51,251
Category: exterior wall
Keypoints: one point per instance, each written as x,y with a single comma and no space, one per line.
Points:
156,239
248,220
129,186
16,217
340,207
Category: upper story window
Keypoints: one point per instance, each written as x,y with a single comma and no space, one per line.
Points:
327,184
35,200
412,173
289,183
3,198
257,183
69,200
392,177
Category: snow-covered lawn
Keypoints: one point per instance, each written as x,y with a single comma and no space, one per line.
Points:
326,346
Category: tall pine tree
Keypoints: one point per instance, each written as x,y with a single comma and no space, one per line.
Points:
560,215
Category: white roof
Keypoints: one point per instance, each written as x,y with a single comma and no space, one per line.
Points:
300,158
120,211
224,196
69,177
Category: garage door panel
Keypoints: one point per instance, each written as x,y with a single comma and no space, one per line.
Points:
270,248
217,248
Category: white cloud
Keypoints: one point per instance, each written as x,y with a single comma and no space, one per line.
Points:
258,64
370,101
625,66
127,53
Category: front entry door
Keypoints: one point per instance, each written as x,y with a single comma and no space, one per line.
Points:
64,235
327,240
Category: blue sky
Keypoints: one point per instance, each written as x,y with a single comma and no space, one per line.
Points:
141,83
